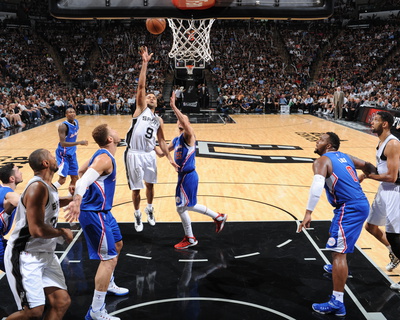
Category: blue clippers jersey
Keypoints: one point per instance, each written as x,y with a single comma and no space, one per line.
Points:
6,220
100,194
72,134
343,185
184,155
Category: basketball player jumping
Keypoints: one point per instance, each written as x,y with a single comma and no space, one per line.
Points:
140,157
188,180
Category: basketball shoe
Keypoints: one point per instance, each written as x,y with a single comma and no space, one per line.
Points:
99,315
186,243
113,289
395,286
150,216
220,222
138,222
332,306
394,262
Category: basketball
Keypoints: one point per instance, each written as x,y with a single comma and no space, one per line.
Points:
156,26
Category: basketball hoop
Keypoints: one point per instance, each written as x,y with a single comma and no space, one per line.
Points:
191,40
189,69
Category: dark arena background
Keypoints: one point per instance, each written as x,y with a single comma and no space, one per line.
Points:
257,105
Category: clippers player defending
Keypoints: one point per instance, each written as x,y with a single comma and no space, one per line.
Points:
140,157
92,202
336,171
33,269
10,177
188,180
66,150
385,208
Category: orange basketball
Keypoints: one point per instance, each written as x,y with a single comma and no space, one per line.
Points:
156,26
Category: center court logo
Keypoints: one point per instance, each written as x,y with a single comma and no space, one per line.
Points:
222,150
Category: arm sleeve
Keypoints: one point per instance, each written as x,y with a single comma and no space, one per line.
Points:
316,189
87,179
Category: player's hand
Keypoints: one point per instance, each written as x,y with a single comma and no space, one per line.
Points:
67,235
172,99
305,223
84,142
175,165
146,57
73,210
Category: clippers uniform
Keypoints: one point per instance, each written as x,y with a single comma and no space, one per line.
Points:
385,208
188,180
98,224
31,263
66,156
6,221
140,157
344,192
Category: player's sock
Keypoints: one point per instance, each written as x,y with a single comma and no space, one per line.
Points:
338,295
203,210
98,300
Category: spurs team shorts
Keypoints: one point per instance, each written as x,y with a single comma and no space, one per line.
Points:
140,166
186,189
385,208
101,232
67,165
346,226
28,273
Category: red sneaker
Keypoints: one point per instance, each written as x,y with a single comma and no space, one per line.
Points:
186,243
220,223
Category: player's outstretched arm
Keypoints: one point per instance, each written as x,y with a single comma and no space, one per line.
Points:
141,91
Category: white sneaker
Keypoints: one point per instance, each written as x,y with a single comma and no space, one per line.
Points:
99,315
394,262
138,223
150,216
113,289
395,286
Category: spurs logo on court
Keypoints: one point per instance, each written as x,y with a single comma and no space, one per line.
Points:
208,149
18,161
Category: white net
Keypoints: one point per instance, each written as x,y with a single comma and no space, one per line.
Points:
191,39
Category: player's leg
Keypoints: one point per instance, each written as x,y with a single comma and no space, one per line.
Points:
59,302
376,218
101,246
113,225
63,168
150,178
134,174
219,218
189,239
73,169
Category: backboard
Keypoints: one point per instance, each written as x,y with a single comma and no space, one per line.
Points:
223,9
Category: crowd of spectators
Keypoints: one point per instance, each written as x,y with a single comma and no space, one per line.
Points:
258,65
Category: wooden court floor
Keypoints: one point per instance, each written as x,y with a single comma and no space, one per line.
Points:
257,169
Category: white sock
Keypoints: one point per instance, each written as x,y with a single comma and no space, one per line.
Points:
203,210
186,222
98,300
338,295
149,206
57,184
138,213
389,248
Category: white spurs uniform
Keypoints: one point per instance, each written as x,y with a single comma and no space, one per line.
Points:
140,157
31,263
385,208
